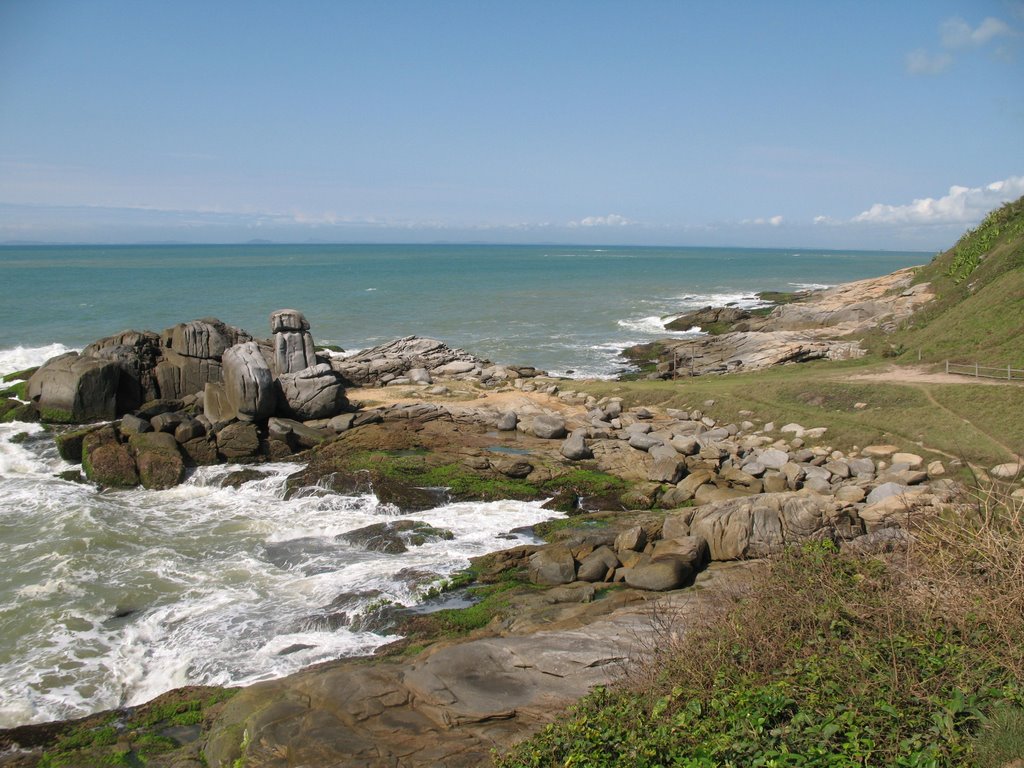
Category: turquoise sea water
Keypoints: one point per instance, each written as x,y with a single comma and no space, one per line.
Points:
112,597
557,307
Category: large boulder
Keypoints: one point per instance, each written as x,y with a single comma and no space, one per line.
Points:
757,526
293,351
312,393
192,355
107,461
160,464
575,447
659,575
72,388
549,427
552,565
288,320
137,354
248,382
204,338
238,441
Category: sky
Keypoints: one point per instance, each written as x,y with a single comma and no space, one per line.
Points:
890,125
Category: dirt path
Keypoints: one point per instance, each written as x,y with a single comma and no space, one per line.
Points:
920,374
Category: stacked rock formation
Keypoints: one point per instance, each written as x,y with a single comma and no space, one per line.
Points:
201,392
293,343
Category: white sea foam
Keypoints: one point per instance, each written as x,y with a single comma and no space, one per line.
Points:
116,597
692,301
20,358
653,325
810,286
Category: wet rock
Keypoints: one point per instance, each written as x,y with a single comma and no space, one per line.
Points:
108,462
395,537
239,441
131,424
159,462
69,444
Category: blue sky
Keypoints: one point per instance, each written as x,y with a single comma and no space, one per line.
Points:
826,124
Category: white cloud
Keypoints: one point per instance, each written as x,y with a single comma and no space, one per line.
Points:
920,62
957,33
771,221
963,205
611,220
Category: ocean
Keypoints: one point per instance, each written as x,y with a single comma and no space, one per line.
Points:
110,598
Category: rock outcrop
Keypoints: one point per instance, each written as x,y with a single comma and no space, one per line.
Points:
822,325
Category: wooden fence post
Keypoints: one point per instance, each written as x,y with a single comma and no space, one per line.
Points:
975,370
947,367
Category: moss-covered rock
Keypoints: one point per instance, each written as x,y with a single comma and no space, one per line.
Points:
395,537
107,461
69,444
159,461
14,410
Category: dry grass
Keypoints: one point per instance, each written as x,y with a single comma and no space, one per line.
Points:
912,658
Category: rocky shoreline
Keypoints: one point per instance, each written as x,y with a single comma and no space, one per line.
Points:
818,325
661,499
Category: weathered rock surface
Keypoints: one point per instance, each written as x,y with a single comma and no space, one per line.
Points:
248,386
159,462
75,389
810,329
311,393
107,461
452,704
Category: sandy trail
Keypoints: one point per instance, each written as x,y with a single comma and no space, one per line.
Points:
920,374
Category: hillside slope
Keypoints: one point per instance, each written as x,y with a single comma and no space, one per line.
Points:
978,311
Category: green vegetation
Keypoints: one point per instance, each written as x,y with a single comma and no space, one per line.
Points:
23,375
979,286
134,738
914,660
492,600
982,423
56,416
413,469
12,410
18,390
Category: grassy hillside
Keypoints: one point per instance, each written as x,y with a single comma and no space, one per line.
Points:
978,313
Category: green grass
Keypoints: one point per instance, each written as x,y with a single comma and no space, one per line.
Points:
979,286
969,420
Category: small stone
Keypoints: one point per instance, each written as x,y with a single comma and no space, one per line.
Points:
912,460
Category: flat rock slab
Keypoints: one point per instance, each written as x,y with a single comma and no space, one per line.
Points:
452,704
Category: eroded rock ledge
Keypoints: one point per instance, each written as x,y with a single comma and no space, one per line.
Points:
820,325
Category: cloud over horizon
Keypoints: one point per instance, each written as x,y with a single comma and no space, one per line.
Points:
962,205
611,220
